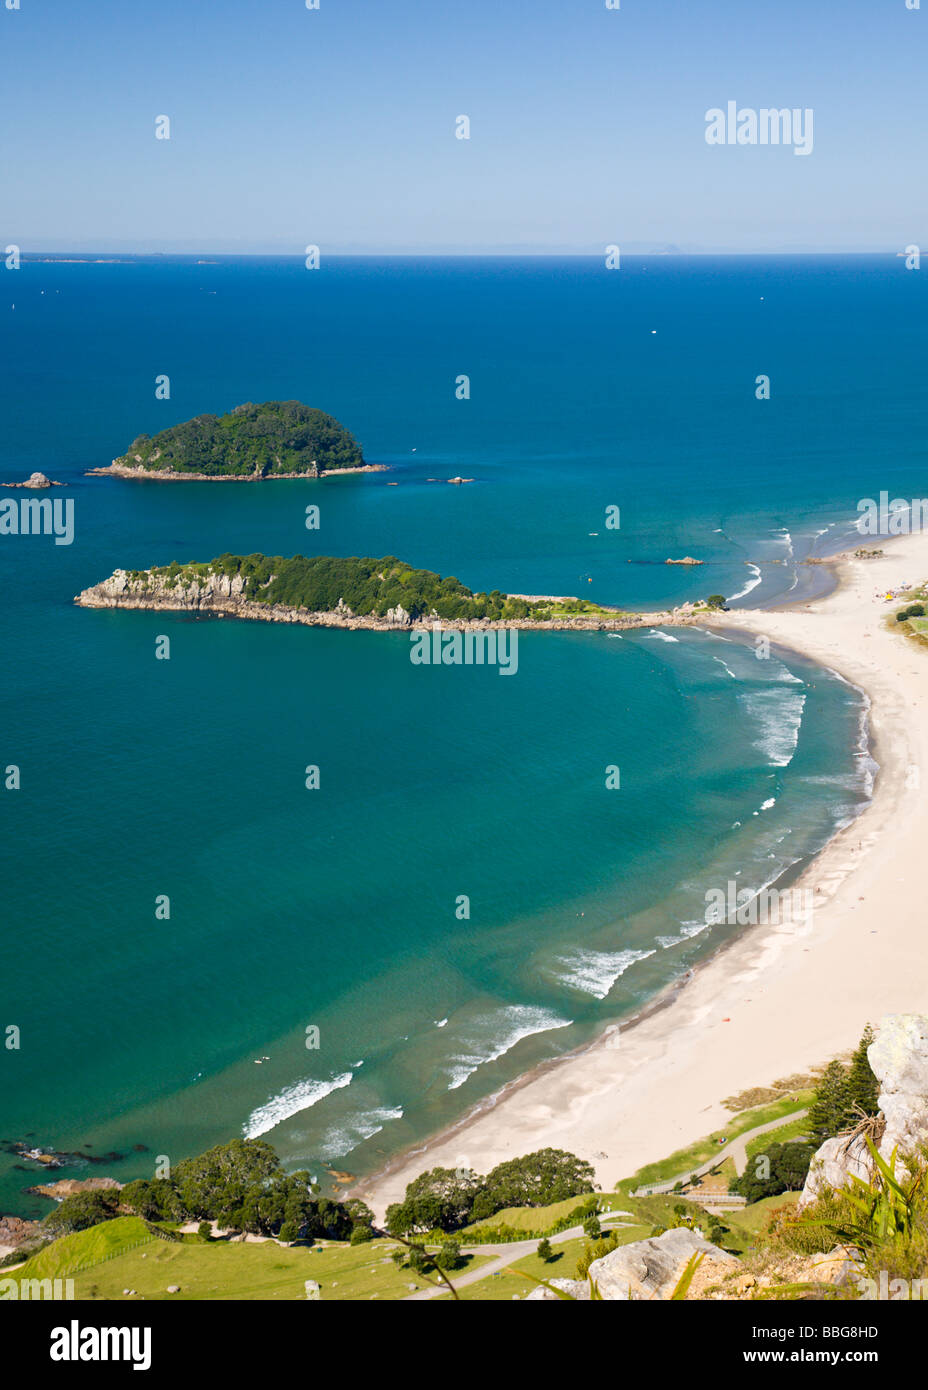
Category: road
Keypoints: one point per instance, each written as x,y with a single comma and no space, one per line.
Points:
507,1254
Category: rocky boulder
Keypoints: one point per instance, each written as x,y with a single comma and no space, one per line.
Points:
651,1269
899,1058
577,1289
833,1165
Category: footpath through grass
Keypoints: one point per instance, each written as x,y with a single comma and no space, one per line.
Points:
684,1161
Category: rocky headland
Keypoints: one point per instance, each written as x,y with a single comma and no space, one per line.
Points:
231,595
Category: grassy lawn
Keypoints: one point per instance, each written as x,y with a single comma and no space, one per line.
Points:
685,1160
63,1256
531,1218
755,1217
221,1269
795,1130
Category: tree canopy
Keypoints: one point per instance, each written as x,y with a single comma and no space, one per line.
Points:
319,583
251,440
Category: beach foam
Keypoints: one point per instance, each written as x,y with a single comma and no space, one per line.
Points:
499,1034
595,972
301,1096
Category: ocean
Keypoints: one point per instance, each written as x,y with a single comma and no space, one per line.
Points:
463,898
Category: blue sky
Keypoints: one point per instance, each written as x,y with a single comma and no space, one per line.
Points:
336,126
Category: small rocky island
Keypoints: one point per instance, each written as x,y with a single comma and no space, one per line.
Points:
35,481
327,591
276,439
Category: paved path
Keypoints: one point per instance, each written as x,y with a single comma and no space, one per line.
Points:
735,1149
507,1254
509,1251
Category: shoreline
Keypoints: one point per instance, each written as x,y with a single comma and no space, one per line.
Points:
167,475
748,1015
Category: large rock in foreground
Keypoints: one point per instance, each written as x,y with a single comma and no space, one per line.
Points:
899,1058
651,1269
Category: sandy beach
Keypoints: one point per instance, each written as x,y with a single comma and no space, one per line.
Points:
780,999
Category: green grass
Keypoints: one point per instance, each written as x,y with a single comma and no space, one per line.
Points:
684,1161
795,1130
97,1243
530,1218
583,608
221,1269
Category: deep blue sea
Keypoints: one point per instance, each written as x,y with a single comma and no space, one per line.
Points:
337,908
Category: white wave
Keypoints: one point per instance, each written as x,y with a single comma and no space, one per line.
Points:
440,1022
341,1139
771,801
661,636
595,972
779,715
752,583
727,669
687,930
301,1096
518,1022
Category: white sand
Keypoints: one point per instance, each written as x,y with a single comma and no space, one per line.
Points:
781,999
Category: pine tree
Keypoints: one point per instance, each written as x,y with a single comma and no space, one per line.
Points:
830,1111
863,1087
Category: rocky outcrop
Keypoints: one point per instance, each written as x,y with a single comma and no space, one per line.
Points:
651,1269
834,1165
35,481
15,1231
577,1289
687,560
69,1187
116,469
224,594
899,1058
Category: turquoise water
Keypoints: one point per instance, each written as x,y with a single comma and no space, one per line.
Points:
336,908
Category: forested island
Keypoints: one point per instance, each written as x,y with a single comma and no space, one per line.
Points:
340,592
276,439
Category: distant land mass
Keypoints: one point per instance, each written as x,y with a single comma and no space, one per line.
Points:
327,591
276,439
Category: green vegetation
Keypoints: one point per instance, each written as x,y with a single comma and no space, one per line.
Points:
779,1168
240,1184
844,1094
72,1253
82,1210
683,1161
365,586
261,441
234,1270
446,1199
